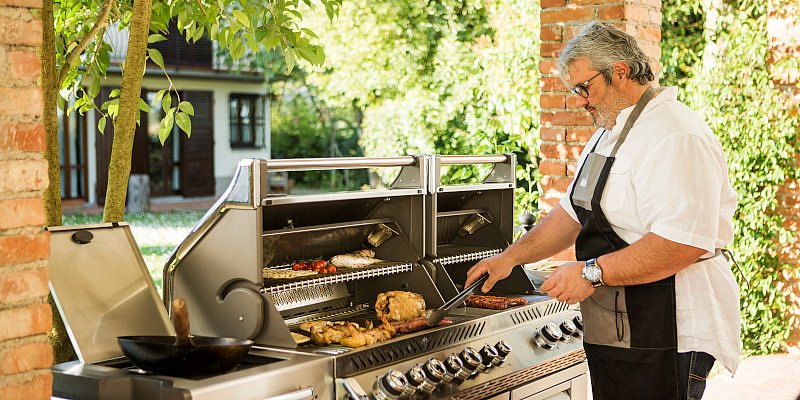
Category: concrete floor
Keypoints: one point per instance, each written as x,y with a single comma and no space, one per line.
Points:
770,377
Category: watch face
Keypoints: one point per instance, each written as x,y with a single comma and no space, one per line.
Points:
592,273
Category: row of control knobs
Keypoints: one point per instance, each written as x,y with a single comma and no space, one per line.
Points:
551,334
421,380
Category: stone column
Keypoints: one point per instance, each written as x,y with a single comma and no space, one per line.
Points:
25,316
564,128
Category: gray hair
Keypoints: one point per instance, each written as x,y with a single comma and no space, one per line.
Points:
604,44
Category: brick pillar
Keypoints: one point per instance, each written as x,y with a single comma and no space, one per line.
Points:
784,29
564,128
25,316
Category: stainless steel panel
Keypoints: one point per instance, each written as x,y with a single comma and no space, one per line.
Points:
103,289
570,383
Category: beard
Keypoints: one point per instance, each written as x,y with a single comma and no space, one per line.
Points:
605,113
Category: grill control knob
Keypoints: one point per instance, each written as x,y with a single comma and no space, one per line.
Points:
454,366
434,374
578,321
415,377
488,354
390,386
548,336
471,360
503,350
569,329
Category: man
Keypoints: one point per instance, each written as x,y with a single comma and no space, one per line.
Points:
648,213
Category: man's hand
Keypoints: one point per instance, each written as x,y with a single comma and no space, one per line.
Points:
497,266
567,284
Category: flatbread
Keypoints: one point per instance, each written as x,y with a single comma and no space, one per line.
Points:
299,338
270,273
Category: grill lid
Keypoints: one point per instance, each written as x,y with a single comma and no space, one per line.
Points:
103,289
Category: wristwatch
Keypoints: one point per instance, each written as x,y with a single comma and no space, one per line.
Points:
593,273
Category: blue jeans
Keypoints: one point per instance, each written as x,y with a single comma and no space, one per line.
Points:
693,369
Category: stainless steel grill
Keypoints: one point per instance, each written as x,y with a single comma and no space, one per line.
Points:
427,236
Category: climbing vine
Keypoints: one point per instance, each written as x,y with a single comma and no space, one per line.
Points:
722,57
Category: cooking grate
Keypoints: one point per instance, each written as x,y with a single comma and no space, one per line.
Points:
392,352
459,258
346,276
509,382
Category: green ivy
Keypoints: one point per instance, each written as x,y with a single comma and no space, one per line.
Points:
758,127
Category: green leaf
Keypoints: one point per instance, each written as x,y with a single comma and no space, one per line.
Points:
160,94
166,103
155,38
198,34
101,125
184,122
309,32
186,107
156,56
163,133
143,105
114,93
242,18
290,60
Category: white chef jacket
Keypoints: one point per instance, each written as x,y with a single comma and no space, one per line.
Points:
670,178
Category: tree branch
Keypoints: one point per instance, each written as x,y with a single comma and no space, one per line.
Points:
73,55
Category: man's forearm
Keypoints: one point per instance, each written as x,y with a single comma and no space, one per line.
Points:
649,259
556,232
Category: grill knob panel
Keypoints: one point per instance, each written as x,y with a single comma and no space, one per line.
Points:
569,329
472,361
578,321
390,386
434,374
503,350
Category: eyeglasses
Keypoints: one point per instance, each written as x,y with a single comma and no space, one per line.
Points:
581,89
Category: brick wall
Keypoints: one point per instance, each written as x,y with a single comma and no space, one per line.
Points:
25,316
564,128
784,32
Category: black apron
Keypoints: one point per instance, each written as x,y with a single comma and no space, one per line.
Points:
630,333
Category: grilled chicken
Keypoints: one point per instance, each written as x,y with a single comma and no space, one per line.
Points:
397,305
333,332
364,337
356,259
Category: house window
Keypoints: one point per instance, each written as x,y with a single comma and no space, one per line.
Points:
247,120
72,152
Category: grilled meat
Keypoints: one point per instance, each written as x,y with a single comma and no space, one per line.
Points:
494,302
364,337
356,259
333,332
396,305
417,325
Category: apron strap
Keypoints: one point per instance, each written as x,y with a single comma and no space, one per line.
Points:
648,94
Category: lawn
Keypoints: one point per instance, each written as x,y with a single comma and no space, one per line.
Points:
156,234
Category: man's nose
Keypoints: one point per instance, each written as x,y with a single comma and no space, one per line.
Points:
581,101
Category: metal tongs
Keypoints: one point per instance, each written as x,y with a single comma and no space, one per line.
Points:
437,315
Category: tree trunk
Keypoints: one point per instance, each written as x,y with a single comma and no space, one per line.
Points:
119,168
59,340
50,86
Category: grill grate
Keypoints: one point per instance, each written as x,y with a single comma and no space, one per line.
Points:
509,382
307,283
459,258
388,353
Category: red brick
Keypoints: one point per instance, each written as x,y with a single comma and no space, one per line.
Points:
24,248
23,175
26,357
549,16
548,67
591,2
552,84
40,387
554,134
572,167
560,151
24,65
23,322
581,135
612,12
20,30
547,167
552,3
23,285
566,118
22,137
21,101
649,33
552,101
551,49
548,202
551,32
22,3
635,12
17,213
552,183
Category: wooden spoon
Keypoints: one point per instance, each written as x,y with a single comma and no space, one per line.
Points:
180,318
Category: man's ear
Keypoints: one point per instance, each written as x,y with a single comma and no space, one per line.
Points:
620,70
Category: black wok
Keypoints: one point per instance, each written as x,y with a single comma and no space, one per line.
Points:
182,355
